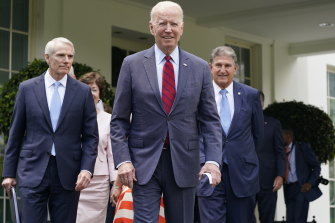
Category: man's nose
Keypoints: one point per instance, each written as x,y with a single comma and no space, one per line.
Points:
168,28
223,68
67,58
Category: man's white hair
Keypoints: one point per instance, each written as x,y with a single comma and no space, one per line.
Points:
165,4
50,46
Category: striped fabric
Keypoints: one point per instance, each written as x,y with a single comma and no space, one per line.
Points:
124,212
168,85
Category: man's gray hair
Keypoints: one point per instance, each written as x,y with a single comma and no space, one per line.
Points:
223,51
50,46
165,4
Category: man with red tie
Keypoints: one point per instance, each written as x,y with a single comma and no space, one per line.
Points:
169,95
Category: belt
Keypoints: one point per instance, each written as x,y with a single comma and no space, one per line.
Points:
291,183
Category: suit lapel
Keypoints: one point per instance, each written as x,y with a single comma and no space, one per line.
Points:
151,71
70,92
40,94
182,77
238,99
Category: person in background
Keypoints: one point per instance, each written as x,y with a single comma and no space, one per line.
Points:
169,95
94,199
53,140
271,168
301,177
233,200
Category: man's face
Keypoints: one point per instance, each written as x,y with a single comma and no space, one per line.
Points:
223,70
287,137
167,29
60,61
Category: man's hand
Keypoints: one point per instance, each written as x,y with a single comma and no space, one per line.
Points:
83,180
277,183
213,170
8,183
126,173
115,193
306,187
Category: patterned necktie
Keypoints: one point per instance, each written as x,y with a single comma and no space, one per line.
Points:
168,85
55,107
225,115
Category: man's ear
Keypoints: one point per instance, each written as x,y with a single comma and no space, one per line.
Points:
46,58
151,27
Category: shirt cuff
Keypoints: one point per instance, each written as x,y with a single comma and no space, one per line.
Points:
122,163
87,172
213,162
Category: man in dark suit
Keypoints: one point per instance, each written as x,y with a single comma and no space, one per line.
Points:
53,139
233,200
271,168
301,185
169,96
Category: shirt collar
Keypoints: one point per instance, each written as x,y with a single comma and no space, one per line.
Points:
290,146
159,55
50,81
229,89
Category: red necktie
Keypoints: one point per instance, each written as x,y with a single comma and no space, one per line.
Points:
168,85
287,163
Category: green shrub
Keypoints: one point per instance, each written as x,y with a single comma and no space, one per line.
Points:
8,90
309,123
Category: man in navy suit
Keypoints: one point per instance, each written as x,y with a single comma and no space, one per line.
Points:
233,200
301,185
271,168
53,139
168,94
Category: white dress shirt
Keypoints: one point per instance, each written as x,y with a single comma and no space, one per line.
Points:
160,61
230,97
49,81
292,172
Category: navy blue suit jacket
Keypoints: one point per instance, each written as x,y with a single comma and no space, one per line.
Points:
31,135
141,138
272,154
245,136
307,169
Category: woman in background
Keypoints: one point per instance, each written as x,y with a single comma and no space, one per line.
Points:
93,201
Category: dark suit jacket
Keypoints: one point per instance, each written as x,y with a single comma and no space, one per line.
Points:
141,139
31,134
245,136
272,154
308,171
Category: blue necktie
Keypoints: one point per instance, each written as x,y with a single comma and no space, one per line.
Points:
225,115
55,107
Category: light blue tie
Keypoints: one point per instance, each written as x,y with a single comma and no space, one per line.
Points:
225,115
55,107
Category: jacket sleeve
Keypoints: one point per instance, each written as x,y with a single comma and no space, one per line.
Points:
16,134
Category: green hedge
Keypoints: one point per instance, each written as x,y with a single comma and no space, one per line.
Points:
309,123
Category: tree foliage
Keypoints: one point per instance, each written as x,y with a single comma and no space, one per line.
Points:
8,90
309,123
